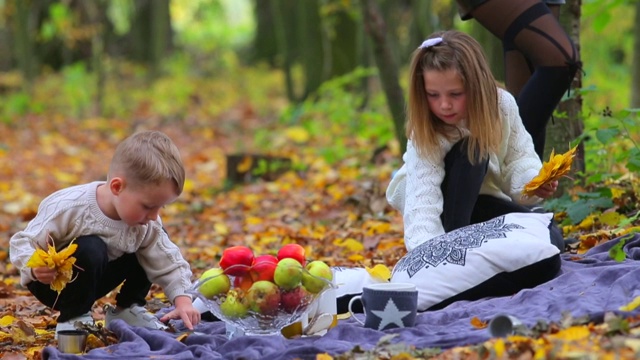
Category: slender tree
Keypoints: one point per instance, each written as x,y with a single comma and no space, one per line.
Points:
568,123
24,42
387,66
635,64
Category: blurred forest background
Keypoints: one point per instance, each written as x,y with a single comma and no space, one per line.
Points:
330,67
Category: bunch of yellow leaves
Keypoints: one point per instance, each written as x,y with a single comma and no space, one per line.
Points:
557,167
61,261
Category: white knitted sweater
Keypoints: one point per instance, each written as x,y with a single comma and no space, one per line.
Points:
415,189
73,212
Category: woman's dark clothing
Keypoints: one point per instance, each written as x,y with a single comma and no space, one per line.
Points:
540,58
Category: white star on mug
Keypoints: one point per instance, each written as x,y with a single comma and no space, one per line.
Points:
390,315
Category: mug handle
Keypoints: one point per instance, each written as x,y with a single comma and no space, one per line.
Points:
353,315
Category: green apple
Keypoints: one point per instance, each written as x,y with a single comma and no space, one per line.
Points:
314,278
263,297
233,307
214,282
288,273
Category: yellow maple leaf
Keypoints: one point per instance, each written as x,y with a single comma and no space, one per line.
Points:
380,272
61,261
557,167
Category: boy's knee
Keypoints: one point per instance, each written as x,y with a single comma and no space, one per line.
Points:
90,247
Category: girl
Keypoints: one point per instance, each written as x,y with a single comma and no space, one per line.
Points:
469,156
540,58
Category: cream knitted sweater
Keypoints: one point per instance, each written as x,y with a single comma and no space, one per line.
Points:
73,212
415,189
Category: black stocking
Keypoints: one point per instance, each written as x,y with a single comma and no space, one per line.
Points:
540,58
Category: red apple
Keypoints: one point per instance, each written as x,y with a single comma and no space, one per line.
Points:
236,255
243,282
263,297
263,267
293,299
293,251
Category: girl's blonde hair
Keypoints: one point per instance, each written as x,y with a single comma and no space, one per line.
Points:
148,157
459,52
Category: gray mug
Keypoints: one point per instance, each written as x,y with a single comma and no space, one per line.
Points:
387,305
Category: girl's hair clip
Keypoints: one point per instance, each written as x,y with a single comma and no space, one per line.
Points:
430,42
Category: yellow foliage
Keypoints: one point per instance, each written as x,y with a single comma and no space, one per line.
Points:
632,305
355,258
6,320
380,272
61,261
324,356
402,356
245,164
557,167
573,333
221,229
499,348
297,134
350,244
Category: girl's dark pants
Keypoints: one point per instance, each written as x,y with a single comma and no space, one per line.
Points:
463,205
94,276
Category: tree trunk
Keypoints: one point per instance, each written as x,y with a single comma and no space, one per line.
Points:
635,64
568,125
264,43
344,47
283,46
160,34
312,45
423,23
24,43
387,67
151,32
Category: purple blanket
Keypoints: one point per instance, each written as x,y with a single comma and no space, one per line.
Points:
591,285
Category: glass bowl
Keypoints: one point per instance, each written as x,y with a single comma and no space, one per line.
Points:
239,297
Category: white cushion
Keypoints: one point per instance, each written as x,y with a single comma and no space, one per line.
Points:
459,260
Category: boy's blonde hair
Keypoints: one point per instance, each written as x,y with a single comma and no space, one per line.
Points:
148,157
463,54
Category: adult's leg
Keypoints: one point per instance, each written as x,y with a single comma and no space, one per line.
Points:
529,28
518,69
460,187
78,296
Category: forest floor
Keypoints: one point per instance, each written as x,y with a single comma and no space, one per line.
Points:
336,210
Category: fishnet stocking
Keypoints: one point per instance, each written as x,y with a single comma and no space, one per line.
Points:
540,58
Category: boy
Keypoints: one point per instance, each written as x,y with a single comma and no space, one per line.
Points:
120,237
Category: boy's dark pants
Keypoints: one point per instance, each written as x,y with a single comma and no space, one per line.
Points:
94,276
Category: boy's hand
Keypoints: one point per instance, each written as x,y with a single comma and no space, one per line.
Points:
184,310
44,274
546,191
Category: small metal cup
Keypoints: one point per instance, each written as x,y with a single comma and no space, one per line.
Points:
72,341
504,325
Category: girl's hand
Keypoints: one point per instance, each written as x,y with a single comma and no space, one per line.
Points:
44,274
547,190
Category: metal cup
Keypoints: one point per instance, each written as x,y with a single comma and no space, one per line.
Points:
72,341
503,325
